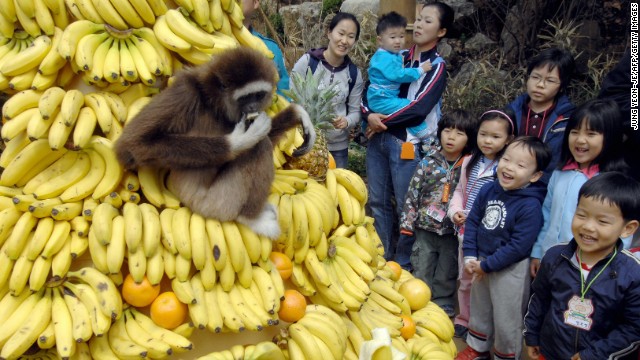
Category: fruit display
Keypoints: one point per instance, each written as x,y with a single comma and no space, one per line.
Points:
101,263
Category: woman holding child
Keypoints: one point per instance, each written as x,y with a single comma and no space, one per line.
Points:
393,152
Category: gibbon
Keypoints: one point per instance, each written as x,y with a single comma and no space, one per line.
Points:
201,129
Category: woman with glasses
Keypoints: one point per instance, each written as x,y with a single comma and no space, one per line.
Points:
544,109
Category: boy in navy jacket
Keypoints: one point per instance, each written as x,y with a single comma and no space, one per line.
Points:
585,301
499,234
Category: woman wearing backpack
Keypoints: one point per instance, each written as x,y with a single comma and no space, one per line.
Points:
334,68
392,152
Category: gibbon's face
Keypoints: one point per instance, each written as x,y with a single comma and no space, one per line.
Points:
246,79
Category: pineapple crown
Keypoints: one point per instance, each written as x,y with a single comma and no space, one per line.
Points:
319,103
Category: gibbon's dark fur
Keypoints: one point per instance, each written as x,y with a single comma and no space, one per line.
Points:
220,164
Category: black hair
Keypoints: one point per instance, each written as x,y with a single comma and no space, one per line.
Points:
617,189
512,129
390,20
555,57
446,14
344,16
461,120
603,116
537,148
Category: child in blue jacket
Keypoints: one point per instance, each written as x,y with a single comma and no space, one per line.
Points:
585,300
499,234
387,71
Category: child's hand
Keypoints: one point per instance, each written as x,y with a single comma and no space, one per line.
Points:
534,267
469,267
576,356
459,218
426,66
534,352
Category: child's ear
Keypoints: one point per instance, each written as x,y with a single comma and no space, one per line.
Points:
629,228
379,39
535,177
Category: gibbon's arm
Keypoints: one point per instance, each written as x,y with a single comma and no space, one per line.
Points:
163,133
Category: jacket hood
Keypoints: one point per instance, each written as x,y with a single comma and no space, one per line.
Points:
563,107
318,53
535,190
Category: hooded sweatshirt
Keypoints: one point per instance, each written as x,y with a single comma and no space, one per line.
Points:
503,225
346,104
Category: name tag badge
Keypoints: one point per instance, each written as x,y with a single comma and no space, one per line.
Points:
437,214
579,313
408,151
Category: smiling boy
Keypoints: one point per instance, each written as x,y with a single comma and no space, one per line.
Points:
585,301
499,234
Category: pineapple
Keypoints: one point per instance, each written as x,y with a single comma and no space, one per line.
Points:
319,103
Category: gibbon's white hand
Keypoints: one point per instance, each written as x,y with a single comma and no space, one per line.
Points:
243,138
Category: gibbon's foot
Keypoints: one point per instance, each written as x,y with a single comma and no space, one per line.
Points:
243,138
265,224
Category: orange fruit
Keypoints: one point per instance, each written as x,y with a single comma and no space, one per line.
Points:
139,295
293,307
332,162
416,292
396,269
282,263
167,311
408,327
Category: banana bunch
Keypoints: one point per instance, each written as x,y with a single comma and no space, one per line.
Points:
236,309
425,348
134,335
340,278
119,14
220,251
26,317
109,57
178,32
62,177
350,193
290,141
34,16
319,334
265,350
433,319
153,182
21,56
36,252
60,316
306,213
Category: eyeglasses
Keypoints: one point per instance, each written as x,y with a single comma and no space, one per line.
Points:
545,81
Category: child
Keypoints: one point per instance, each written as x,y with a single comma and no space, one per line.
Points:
434,256
592,144
499,233
585,301
544,109
495,130
387,71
